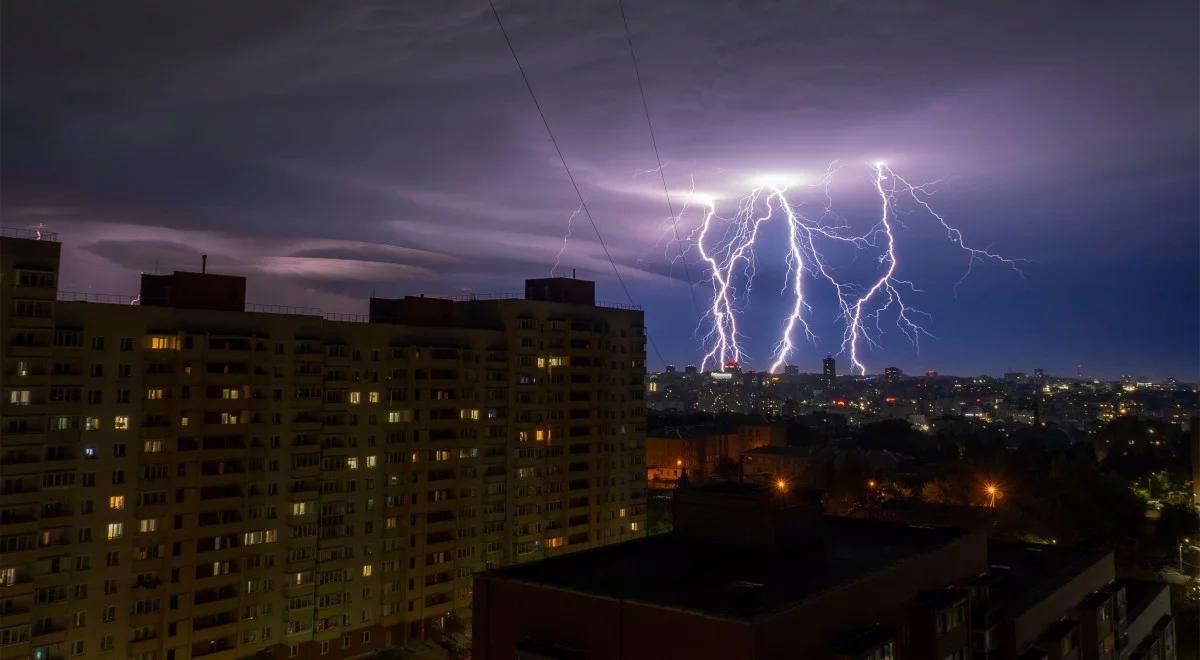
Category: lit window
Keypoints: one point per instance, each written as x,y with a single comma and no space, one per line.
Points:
22,368
152,446
91,423
523,436
8,577
121,423
366,571
89,451
542,435
395,416
229,418
372,461
115,530
163,343
556,542
183,421
116,502
541,362
231,393
355,398
621,513
373,397
468,413
351,462
556,361
635,526
155,393
301,508
147,525
19,397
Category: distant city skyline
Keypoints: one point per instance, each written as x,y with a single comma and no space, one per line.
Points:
329,153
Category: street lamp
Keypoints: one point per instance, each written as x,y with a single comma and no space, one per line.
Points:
992,492
781,485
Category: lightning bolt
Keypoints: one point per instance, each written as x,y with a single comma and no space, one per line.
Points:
727,247
566,237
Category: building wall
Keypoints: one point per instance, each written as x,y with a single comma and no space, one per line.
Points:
1142,626
888,598
186,483
1030,624
508,612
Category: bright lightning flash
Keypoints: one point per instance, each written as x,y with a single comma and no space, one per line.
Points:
727,248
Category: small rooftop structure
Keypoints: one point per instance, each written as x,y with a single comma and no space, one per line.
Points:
561,289
187,290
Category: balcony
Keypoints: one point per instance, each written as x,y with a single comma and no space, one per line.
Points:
48,627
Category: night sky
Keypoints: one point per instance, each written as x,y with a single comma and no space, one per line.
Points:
329,151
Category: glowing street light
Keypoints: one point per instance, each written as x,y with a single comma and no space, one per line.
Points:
993,492
781,485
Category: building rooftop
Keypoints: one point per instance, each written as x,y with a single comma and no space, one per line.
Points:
1029,573
737,582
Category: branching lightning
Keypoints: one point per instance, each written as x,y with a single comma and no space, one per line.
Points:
727,247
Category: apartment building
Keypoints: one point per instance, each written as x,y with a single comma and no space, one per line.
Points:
187,477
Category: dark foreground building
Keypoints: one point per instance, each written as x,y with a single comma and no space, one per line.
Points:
759,573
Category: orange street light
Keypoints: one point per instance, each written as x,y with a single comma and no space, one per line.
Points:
781,485
992,492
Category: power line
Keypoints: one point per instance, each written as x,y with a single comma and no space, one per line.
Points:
687,271
566,168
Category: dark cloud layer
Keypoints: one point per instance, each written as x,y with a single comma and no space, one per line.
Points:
328,150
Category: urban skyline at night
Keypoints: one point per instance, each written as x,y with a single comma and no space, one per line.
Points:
307,175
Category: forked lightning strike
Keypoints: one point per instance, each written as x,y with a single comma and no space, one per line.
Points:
727,248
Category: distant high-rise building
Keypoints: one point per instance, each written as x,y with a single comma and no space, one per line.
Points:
1039,375
690,370
829,371
791,370
931,373
670,368
891,375
194,478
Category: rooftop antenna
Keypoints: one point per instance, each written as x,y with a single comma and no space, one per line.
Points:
203,263
572,273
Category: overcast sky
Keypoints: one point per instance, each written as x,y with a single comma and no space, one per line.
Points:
329,151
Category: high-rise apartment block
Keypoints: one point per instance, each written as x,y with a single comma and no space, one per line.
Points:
183,478
829,372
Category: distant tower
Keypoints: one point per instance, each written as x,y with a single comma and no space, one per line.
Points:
829,371
891,375
670,368
791,370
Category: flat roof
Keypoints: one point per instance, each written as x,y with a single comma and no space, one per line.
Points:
1029,572
733,582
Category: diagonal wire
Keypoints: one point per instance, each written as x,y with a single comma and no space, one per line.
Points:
654,143
566,168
